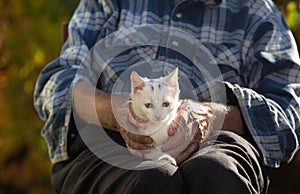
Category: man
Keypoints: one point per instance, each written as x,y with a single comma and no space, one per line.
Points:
257,59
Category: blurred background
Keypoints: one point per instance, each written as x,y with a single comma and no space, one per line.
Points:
30,37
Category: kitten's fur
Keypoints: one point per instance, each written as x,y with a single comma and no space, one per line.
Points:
155,103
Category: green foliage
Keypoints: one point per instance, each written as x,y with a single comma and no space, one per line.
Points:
30,37
292,15
291,12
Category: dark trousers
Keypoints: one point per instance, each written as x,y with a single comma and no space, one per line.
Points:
225,163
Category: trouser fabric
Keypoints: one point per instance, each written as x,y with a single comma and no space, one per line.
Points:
225,163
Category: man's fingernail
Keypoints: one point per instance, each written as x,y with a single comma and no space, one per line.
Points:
171,131
149,140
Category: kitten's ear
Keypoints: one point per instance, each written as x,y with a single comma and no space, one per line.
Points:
137,82
172,79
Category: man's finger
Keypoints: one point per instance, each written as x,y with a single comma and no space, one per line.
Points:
141,139
173,142
137,146
178,150
186,153
135,141
174,126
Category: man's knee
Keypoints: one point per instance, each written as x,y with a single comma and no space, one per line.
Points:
155,181
229,165
212,176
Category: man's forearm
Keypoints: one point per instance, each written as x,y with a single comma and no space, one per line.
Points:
93,105
227,118
234,121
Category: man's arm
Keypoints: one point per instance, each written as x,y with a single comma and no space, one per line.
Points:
54,87
218,117
93,105
234,121
268,101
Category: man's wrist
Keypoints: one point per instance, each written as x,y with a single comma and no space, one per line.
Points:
218,114
226,117
233,120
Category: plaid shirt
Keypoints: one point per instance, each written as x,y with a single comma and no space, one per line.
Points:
248,39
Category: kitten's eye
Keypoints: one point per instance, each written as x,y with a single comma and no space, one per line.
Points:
149,105
165,104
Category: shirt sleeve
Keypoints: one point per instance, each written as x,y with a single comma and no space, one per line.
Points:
54,87
270,103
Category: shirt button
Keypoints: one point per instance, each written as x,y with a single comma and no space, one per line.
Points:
179,15
175,43
127,41
61,143
226,60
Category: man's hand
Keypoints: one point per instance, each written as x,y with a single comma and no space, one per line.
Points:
188,130
137,143
194,121
182,148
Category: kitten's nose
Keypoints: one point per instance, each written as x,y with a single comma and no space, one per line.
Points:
158,117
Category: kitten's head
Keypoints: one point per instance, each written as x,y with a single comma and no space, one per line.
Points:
155,99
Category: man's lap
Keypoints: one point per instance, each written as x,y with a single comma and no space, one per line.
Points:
224,162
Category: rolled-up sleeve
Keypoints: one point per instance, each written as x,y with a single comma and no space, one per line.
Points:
54,87
271,106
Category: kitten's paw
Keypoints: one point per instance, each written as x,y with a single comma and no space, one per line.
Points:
136,153
168,158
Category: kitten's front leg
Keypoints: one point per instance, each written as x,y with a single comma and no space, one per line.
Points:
136,153
157,154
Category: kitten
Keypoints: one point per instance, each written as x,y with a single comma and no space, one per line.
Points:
153,107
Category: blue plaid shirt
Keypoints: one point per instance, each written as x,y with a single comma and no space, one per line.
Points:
248,39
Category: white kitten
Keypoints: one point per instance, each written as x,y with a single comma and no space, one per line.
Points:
154,104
